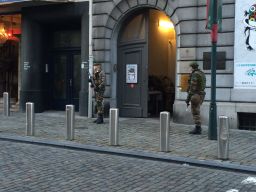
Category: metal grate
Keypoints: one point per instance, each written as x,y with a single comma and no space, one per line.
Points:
247,121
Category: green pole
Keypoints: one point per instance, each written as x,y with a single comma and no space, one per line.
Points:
212,132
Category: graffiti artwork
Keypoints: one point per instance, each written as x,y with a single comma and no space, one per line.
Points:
250,27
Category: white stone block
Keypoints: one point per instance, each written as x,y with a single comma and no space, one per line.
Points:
187,13
103,7
108,69
169,10
98,32
188,26
226,80
188,40
152,2
141,2
243,95
107,56
161,4
132,3
100,20
116,14
186,3
123,6
187,54
111,23
99,55
183,67
99,44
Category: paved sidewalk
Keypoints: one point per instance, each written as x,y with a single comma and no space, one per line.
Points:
136,135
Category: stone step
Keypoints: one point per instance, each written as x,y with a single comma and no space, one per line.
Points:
12,101
14,106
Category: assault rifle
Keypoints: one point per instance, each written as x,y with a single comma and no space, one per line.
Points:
91,80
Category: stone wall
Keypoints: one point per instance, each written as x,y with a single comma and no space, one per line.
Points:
189,20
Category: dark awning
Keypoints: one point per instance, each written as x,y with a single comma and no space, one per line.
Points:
9,6
10,1
16,1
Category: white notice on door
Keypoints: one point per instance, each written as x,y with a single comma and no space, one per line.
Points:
131,73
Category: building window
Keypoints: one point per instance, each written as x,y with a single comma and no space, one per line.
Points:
247,121
220,64
64,39
134,29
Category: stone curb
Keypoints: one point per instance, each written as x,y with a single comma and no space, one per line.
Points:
214,164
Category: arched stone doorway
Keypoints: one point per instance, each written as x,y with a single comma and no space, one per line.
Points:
146,64
108,20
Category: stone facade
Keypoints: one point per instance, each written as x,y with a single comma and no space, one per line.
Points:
189,20
188,17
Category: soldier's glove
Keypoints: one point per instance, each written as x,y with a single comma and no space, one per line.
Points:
90,81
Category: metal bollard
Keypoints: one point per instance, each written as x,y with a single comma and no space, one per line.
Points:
70,121
164,131
6,104
113,126
223,138
30,119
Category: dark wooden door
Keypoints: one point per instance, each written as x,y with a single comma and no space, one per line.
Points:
133,81
132,67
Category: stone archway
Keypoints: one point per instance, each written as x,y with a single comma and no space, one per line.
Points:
106,33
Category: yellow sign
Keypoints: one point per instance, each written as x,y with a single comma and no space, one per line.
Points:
184,82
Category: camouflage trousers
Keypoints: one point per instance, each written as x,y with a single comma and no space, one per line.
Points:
99,102
196,102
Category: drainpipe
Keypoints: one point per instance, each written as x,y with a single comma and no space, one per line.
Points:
90,60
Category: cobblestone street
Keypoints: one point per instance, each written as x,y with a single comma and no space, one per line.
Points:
136,134
26,167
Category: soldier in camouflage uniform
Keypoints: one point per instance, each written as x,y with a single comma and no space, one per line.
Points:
196,95
99,88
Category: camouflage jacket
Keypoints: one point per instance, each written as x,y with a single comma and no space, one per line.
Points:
99,81
197,83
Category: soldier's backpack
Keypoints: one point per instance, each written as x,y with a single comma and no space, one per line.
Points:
202,79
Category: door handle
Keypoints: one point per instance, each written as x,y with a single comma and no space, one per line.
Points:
70,82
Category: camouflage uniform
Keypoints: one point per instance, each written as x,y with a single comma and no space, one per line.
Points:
99,88
196,95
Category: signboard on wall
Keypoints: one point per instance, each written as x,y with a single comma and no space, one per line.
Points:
246,76
131,73
184,82
188,54
245,45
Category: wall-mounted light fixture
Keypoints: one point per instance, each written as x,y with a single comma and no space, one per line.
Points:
166,24
3,34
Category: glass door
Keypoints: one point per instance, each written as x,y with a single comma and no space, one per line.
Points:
66,79
75,78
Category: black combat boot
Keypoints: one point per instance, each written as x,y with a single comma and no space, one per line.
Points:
97,120
100,119
196,131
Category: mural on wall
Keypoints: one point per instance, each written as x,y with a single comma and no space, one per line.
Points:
250,27
245,45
